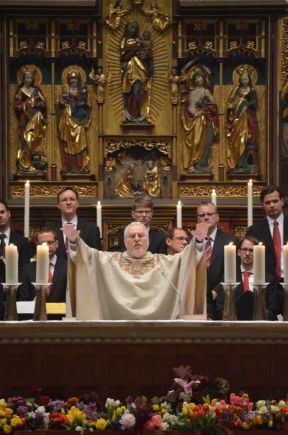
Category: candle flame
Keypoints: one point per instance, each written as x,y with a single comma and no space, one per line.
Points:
260,244
27,183
231,244
98,204
44,244
179,203
213,191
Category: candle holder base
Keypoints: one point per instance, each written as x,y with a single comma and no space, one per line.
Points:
285,302
260,312
40,312
193,317
11,306
229,312
260,284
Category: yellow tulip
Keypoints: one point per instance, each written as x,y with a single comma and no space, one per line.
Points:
101,424
7,428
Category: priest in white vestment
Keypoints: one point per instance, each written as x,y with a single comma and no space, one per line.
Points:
135,284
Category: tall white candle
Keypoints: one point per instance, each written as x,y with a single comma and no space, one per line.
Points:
230,264
179,215
26,208
250,202
214,197
42,264
11,264
285,263
99,217
259,264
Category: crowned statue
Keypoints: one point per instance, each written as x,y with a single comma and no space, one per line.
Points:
73,121
31,111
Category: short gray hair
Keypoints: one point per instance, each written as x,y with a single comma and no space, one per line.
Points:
133,224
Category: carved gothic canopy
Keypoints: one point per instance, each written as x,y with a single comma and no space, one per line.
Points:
49,2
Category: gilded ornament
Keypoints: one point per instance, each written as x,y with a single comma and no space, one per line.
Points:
51,191
223,191
159,18
115,15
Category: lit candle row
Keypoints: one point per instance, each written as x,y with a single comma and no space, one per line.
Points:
11,264
258,263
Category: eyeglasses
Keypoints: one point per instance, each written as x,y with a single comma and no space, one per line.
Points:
248,250
181,238
143,211
202,216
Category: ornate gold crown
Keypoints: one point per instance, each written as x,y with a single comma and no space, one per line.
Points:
28,69
32,69
74,73
245,69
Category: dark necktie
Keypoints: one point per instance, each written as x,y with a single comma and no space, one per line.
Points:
277,248
246,286
2,245
208,251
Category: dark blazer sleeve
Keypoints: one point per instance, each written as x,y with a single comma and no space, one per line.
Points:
59,282
157,244
56,225
26,291
89,233
274,298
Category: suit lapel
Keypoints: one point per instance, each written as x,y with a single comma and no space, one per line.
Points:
267,238
217,246
285,230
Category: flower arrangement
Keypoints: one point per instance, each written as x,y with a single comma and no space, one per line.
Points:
187,406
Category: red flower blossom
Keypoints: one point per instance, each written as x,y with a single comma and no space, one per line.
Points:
44,400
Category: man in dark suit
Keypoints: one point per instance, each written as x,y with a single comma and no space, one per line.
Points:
142,211
68,203
245,292
272,199
8,236
56,292
214,251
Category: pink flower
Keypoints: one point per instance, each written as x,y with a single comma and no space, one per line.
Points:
187,387
155,422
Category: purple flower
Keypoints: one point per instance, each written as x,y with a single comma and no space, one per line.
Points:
22,410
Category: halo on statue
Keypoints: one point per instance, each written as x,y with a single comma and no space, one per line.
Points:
34,70
73,70
245,69
190,71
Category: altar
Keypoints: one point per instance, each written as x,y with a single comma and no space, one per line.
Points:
118,358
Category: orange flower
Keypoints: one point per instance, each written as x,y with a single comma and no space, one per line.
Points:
73,400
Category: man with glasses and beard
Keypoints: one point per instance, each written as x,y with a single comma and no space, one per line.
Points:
214,251
142,211
176,240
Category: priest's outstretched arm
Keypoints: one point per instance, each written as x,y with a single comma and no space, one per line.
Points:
136,284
